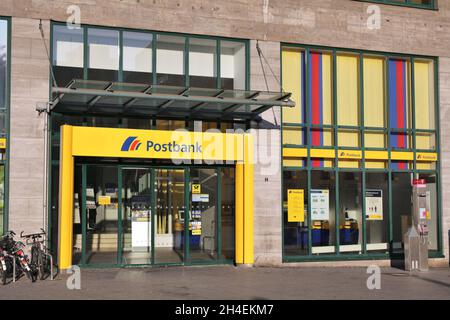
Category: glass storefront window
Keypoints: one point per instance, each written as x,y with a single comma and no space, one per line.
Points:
232,65
2,196
68,54
295,224
103,54
377,211
323,212
3,62
170,60
401,205
202,63
350,212
137,57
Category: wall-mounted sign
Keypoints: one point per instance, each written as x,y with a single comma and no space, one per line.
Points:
350,154
426,156
196,188
296,205
104,200
320,204
374,204
203,197
2,143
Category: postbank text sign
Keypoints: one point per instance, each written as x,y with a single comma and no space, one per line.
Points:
156,144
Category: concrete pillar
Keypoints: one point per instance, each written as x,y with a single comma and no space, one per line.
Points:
29,85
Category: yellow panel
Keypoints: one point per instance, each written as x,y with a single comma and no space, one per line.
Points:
425,141
350,154
376,155
347,90
66,181
239,219
327,93
424,94
292,136
426,156
295,152
374,97
371,164
248,200
399,155
322,153
292,162
425,166
2,143
374,139
348,164
157,144
296,205
347,98
292,82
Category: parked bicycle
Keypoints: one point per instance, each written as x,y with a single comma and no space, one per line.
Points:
14,260
41,259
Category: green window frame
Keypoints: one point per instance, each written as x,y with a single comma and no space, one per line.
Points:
406,3
306,127
5,115
187,37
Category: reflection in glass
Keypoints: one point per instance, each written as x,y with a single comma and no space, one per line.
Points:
137,57
101,214
170,60
68,54
350,212
202,63
103,54
295,230
170,211
203,215
323,212
228,213
136,212
401,207
232,65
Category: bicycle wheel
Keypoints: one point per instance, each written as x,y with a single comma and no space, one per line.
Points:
42,265
3,276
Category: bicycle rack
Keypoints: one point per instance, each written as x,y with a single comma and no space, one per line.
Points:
51,264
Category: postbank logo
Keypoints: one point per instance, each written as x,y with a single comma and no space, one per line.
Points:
131,144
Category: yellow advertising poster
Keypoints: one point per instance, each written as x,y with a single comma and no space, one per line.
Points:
2,143
196,188
296,205
104,200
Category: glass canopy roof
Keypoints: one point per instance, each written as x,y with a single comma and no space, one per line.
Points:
141,100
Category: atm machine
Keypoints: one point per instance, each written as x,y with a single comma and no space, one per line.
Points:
416,239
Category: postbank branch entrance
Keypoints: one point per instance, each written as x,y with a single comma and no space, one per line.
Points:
154,197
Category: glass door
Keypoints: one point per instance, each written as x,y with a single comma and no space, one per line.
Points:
137,215
99,214
203,215
169,217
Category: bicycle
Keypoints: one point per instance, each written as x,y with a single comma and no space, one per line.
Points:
14,258
41,259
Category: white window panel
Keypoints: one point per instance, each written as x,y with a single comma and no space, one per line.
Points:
103,56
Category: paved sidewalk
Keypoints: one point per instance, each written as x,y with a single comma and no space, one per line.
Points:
228,282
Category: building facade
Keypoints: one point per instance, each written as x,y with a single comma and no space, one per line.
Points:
371,86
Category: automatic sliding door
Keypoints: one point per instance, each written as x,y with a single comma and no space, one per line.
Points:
136,215
203,215
170,211
101,214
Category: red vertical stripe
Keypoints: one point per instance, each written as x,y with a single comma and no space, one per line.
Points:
133,145
401,105
315,103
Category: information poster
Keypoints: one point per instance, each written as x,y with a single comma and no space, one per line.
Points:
374,204
320,204
296,205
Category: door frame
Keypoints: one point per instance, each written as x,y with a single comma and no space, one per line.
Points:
187,203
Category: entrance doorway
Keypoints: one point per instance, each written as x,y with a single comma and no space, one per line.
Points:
141,215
